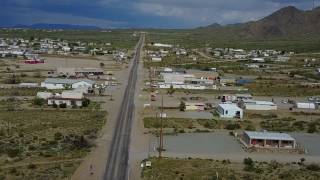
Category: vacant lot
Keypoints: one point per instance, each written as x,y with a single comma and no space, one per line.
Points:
46,144
285,88
189,169
181,125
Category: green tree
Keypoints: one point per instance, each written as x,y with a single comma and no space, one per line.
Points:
182,106
85,102
171,90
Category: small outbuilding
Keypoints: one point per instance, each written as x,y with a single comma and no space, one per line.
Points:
268,140
229,111
307,105
194,106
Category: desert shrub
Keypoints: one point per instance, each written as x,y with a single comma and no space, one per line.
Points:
232,126
13,152
38,101
58,136
85,102
313,167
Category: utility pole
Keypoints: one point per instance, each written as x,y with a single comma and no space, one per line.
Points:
313,5
161,130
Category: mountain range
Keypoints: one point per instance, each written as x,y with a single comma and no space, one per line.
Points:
286,22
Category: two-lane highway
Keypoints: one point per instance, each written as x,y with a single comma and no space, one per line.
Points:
117,165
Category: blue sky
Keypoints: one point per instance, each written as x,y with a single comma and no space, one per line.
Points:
140,13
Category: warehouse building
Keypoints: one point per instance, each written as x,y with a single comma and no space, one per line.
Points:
268,140
249,104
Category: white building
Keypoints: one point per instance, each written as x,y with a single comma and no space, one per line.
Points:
28,85
259,60
249,104
162,45
55,83
156,59
184,81
66,49
229,111
307,105
44,95
70,98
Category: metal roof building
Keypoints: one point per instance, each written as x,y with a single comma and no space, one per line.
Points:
268,139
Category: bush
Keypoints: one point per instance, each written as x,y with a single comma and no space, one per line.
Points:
32,166
232,126
13,80
63,105
249,164
55,105
85,102
58,136
313,167
248,161
13,152
38,101
182,106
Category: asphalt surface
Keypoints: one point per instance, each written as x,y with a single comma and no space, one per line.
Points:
117,166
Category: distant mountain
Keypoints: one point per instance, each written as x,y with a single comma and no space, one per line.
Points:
286,22
58,26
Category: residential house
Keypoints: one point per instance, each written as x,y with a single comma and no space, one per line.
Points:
70,98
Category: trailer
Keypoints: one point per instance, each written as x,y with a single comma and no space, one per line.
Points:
305,105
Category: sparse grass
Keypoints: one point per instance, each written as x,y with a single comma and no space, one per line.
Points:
290,124
280,88
178,123
20,91
45,136
190,169
202,38
204,124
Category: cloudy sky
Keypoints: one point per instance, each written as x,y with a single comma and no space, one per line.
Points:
140,13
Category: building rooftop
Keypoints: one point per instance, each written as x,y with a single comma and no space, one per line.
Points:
249,101
230,106
66,81
269,135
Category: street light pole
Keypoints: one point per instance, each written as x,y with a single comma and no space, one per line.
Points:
161,129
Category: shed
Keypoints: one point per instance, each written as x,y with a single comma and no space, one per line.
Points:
229,111
194,106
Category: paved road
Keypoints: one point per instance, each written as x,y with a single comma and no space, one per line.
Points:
117,165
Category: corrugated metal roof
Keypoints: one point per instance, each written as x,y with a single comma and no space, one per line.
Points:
269,135
66,81
249,101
